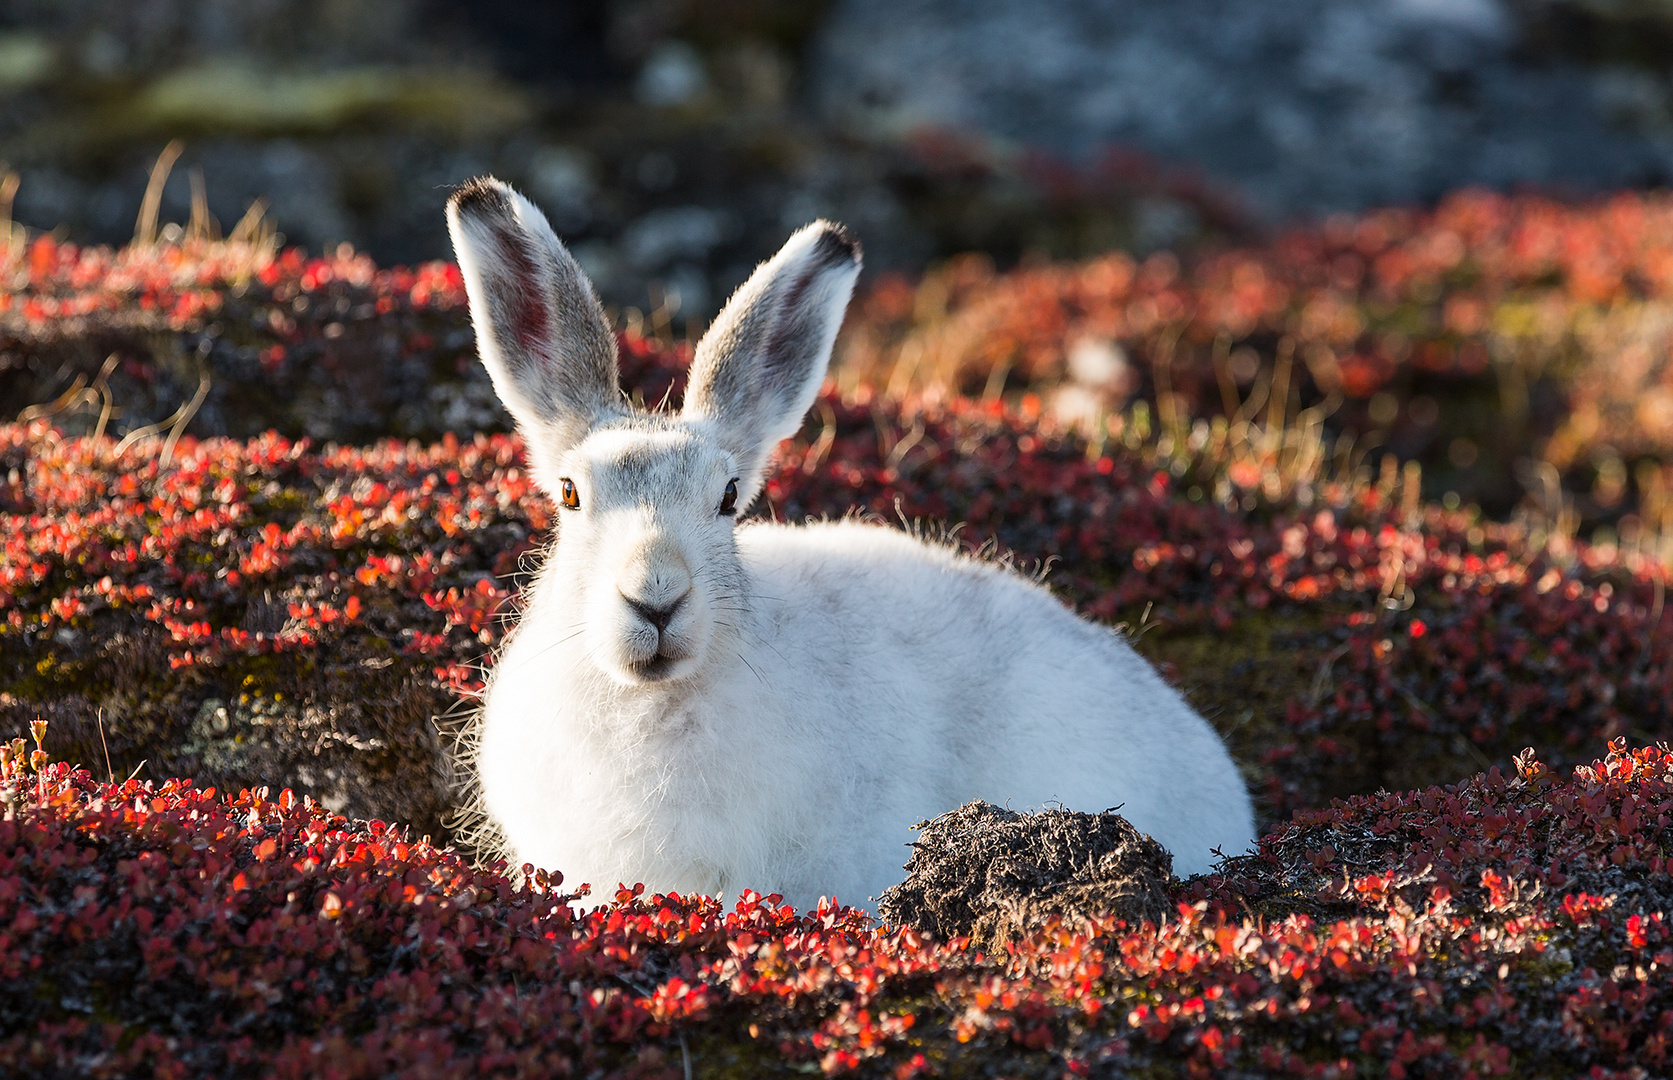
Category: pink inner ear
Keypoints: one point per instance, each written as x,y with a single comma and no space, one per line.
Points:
532,319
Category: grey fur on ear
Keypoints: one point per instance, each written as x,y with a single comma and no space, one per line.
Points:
540,330
759,367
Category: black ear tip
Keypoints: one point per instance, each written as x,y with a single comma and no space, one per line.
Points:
481,195
836,245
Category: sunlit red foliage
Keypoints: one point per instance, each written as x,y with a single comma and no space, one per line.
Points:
1511,926
333,347
1436,289
272,610
1541,321
175,285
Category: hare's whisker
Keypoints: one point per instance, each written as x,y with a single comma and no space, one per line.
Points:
544,649
751,667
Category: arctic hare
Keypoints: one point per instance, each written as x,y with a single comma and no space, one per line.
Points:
708,706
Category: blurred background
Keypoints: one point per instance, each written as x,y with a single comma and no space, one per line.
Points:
1430,226
677,141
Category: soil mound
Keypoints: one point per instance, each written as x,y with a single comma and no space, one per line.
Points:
992,874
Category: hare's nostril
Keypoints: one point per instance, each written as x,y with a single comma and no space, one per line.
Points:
658,617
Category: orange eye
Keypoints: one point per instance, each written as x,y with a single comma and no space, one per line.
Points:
729,501
571,497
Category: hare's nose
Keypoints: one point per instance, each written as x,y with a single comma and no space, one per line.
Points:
658,617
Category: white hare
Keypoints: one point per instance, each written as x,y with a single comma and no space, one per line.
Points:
708,706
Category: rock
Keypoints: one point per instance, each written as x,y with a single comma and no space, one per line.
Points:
662,236
1299,107
562,178
993,875
673,75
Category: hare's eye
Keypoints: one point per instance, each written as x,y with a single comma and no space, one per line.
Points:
571,497
729,501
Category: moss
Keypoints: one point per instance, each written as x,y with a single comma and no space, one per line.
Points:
1242,679
356,733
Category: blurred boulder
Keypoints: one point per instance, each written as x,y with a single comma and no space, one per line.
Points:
1299,107
672,143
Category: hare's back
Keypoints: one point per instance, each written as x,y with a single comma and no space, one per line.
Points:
870,589
927,627
1008,695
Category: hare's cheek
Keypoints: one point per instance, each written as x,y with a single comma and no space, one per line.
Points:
597,623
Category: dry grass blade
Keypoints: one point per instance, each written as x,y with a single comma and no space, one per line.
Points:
110,772
145,227
184,416
252,228
8,196
202,226
69,399
175,425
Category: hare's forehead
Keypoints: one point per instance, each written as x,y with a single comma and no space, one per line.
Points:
634,458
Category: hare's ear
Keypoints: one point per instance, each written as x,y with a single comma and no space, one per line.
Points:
760,365
539,328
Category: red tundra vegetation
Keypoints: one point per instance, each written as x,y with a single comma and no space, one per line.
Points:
1512,925
184,596
1542,322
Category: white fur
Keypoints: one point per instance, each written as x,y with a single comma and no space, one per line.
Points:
820,688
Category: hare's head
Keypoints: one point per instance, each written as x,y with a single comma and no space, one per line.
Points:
645,557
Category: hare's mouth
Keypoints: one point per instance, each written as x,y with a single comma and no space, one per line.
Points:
656,668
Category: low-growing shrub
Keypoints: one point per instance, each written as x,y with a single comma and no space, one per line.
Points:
266,612
1514,925
1541,322
236,338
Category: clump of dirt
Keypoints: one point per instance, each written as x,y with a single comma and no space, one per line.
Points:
991,874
